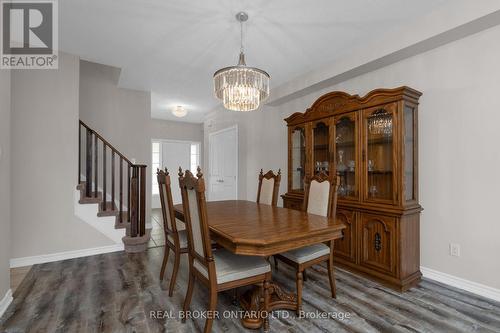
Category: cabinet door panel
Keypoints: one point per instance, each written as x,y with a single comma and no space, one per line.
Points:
296,158
378,243
345,247
321,146
380,154
346,155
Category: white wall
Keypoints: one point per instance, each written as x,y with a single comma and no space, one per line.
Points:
123,116
4,181
44,151
459,153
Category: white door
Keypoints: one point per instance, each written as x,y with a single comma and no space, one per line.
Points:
175,155
223,165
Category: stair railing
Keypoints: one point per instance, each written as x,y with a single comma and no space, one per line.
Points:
89,144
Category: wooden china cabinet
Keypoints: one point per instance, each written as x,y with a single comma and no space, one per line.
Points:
371,142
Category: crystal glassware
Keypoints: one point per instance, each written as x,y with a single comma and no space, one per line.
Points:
351,164
371,165
340,165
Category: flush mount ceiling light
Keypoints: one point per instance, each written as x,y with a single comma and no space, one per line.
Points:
179,111
241,88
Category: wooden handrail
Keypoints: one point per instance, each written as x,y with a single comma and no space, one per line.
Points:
107,144
135,187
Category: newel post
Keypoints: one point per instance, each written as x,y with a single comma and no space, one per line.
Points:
137,237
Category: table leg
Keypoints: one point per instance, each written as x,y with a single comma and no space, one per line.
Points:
252,302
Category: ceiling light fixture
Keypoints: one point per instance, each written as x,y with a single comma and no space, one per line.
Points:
241,88
179,111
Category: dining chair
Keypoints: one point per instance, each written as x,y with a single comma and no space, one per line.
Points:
174,229
217,269
269,185
320,199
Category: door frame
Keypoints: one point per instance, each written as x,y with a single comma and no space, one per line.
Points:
210,136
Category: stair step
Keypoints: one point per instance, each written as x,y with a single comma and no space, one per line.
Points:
90,200
111,210
124,224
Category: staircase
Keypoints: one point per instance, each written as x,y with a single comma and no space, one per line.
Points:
116,186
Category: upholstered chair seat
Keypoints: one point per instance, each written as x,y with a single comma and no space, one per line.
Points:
230,267
183,240
307,253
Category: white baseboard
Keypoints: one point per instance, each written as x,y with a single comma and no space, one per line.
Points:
473,287
4,303
27,261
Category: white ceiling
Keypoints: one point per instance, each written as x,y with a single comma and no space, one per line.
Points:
172,48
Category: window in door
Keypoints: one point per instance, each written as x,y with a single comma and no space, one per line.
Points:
195,157
156,158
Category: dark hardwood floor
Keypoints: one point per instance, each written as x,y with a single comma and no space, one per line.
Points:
117,292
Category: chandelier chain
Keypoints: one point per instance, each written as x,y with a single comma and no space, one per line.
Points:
241,37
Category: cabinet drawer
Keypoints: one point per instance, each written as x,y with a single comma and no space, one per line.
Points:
378,242
292,203
345,247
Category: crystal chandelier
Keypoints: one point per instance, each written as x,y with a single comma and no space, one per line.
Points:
380,123
241,88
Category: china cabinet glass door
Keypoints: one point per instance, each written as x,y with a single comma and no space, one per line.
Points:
345,155
409,154
378,153
321,146
297,159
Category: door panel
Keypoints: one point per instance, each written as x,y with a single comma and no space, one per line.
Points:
378,243
223,161
345,247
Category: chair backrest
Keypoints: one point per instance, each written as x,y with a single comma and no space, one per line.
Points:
321,194
167,203
195,215
269,185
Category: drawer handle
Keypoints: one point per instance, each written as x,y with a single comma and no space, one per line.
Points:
378,242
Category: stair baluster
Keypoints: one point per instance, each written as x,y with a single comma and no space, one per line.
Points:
79,155
104,180
120,218
112,179
96,170
89,163
128,193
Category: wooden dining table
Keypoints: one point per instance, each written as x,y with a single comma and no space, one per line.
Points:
248,228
